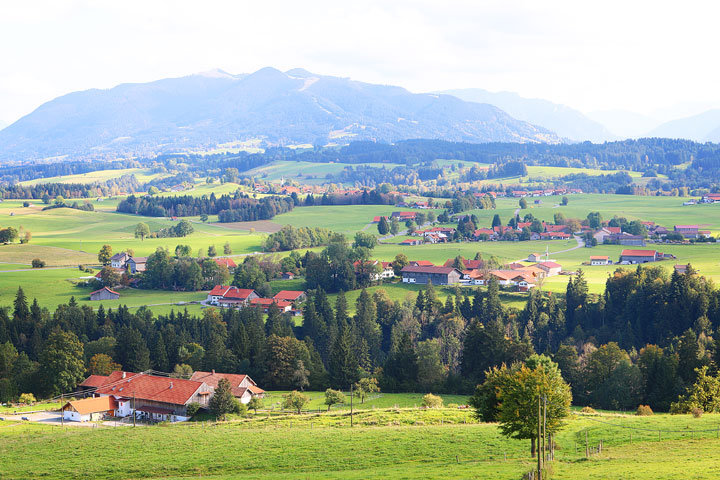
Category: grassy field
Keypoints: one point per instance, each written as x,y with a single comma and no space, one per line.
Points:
385,443
143,176
66,237
305,172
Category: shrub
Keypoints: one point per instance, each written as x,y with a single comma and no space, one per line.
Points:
192,409
239,408
37,263
432,401
27,398
697,412
588,410
26,204
644,410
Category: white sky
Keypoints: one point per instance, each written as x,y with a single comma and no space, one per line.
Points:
591,55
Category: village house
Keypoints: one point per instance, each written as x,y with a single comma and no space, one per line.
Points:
154,398
625,238
710,198
265,303
229,296
91,383
387,270
229,263
404,216
242,386
136,264
104,294
287,276
600,260
427,274
294,296
119,259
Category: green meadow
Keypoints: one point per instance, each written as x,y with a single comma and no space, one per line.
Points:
67,238
435,443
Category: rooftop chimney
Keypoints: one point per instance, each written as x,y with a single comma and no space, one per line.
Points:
124,374
213,371
171,385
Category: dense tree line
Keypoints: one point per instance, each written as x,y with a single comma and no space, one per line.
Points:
43,191
229,208
291,238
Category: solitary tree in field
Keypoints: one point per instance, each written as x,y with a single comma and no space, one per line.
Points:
223,402
564,201
105,254
227,250
366,386
295,401
142,230
211,251
510,396
333,397
204,217
496,222
523,203
394,226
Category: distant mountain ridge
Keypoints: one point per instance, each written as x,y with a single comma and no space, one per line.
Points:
215,107
565,121
703,127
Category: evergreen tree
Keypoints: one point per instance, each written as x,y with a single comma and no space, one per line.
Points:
342,364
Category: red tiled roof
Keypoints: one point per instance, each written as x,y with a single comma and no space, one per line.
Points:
638,253
614,229
87,406
423,263
213,379
228,262
550,265
176,391
104,288
219,290
428,269
239,293
290,295
599,257
94,381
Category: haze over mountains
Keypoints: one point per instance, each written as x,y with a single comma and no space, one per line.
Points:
565,121
294,107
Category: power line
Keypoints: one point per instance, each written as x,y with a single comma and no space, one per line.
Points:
630,427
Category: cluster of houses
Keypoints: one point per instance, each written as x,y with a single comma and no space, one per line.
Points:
234,297
523,277
710,198
631,257
151,397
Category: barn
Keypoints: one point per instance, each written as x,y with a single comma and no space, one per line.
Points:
436,275
639,256
104,294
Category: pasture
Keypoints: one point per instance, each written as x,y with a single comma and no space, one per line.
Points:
435,443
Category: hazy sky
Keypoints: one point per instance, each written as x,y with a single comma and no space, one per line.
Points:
631,55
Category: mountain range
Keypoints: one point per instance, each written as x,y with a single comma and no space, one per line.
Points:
565,121
293,107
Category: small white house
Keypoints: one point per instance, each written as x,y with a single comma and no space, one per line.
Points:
89,409
600,260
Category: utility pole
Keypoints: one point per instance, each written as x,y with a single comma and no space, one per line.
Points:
351,404
539,457
545,438
134,411
62,412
